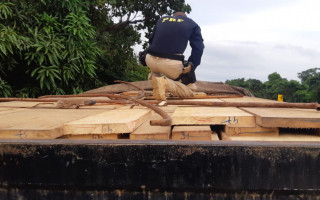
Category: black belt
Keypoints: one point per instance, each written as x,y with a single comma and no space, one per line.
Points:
165,55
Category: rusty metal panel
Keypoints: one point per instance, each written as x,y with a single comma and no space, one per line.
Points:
157,170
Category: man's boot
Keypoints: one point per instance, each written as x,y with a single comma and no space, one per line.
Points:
159,85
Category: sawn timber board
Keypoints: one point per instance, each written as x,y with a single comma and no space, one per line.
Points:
286,117
110,122
251,131
148,132
248,99
93,137
212,116
193,133
34,123
285,137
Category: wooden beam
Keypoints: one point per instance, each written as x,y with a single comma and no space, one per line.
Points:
39,123
93,137
251,131
246,99
286,117
115,121
285,137
148,132
193,133
212,116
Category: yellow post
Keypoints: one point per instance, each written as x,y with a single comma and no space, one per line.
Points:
280,97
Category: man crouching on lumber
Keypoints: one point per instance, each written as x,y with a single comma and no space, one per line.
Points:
165,56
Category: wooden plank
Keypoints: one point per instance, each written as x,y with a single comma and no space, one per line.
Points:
26,104
93,137
169,108
287,137
39,123
212,115
193,133
286,117
5,110
148,132
251,131
215,136
246,99
114,121
207,100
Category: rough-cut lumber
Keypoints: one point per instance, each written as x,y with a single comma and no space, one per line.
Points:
114,121
26,104
4,110
148,132
207,100
214,136
93,137
287,118
282,137
168,109
314,106
193,133
39,123
212,115
247,99
251,131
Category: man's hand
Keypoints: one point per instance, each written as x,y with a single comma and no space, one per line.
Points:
187,76
187,68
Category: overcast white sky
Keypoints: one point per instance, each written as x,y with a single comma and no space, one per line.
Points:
254,38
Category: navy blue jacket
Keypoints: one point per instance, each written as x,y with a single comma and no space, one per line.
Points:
171,35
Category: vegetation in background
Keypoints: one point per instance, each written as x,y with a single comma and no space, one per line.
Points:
65,47
308,90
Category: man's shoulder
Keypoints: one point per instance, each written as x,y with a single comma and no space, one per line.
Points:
169,18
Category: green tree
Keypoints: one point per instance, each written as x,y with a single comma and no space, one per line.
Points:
58,47
41,48
293,91
311,78
255,87
240,82
303,76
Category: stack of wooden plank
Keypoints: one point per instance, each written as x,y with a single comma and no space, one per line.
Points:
31,120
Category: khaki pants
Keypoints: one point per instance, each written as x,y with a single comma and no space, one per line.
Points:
172,70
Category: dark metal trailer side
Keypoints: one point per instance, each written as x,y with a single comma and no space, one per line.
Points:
124,169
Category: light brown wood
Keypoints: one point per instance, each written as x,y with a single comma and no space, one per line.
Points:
168,109
148,132
192,133
286,117
93,137
282,137
212,115
251,131
6,110
207,100
26,104
199,94
39,123
114,121
246,99
215,136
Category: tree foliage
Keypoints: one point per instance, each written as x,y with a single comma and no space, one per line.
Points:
308,90
59,47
